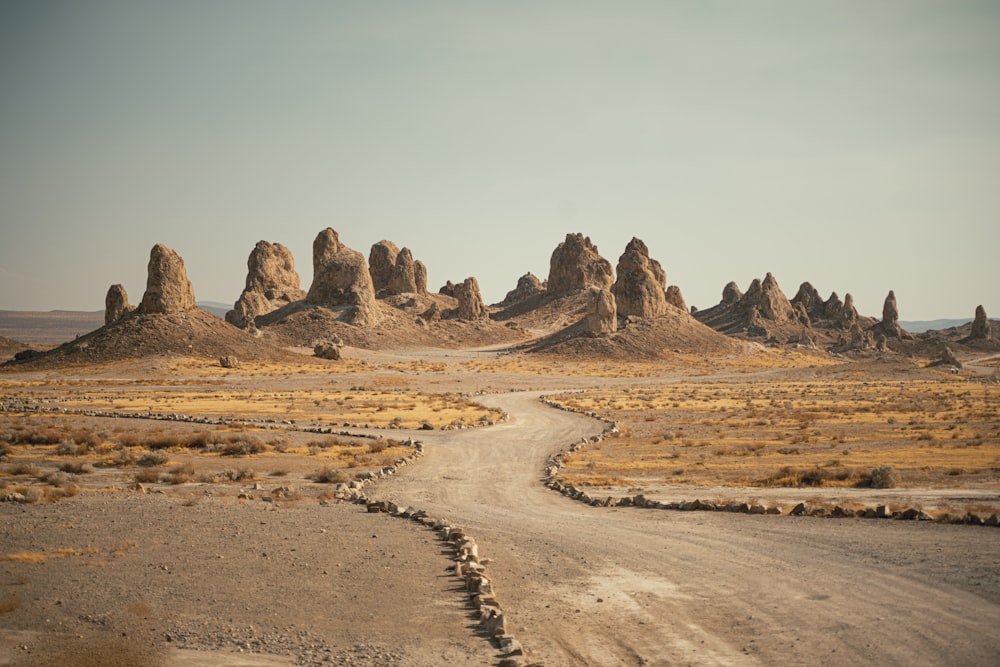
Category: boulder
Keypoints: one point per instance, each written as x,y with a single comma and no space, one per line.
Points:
168,289
981,329
328,350
229,361
341,278
640,287
602,315
576,265
116,304
528,286
676,299
470,301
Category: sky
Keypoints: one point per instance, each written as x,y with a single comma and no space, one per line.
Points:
854,144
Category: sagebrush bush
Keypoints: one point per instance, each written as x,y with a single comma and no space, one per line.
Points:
883,477
329,475
154,458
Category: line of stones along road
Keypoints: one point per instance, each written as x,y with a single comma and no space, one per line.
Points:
557,461
468,566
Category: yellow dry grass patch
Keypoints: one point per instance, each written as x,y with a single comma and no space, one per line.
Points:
754,359
372,406
932,432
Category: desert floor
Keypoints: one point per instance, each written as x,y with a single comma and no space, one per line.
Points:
194,572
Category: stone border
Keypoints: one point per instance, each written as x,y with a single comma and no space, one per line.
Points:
557,461
468,565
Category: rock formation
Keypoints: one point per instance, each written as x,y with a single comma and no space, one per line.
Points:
981,329
889,326
848,313
420,277
576,265
528,286
404,274
731,293
470,301
602,315
808,297
272,282
448,289
116,304
382,264
271,271
341,278
639,289
394,271
675,298
768,298
168,289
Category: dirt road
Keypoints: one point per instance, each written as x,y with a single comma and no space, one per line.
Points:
624,586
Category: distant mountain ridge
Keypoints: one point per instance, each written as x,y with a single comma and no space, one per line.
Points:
920,326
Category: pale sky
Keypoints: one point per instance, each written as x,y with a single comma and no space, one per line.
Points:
855,145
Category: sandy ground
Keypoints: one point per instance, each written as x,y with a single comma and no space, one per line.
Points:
176,580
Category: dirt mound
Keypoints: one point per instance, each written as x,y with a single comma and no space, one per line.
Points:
192,333
650,338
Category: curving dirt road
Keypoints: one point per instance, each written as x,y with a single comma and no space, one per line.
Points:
624,586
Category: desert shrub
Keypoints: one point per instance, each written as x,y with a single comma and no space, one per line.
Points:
153,458
65,491
377,446
147,476
55,478
29,469
70,448
77,467
241,446
329,475
179,474
882,477
231,475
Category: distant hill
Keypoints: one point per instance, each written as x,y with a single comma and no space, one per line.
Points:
920,326
216,308
48,328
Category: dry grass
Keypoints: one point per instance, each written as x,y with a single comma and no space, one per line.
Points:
942,433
